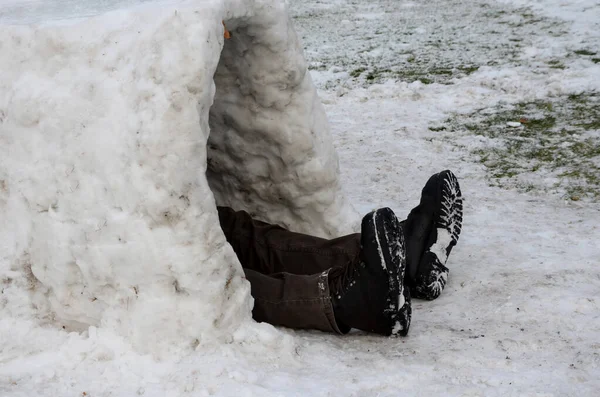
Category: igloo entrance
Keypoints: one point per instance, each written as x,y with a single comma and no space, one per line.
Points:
110,172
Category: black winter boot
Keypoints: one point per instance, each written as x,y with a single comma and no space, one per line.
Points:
369,294
431,231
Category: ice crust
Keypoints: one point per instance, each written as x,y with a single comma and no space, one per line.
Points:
106,214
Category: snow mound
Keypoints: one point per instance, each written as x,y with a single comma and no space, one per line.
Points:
107,216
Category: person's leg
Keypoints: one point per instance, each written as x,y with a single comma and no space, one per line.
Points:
288,272
431,231
371,295
363,274
294,301
269,249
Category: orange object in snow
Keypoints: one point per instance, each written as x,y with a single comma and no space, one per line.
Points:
226,33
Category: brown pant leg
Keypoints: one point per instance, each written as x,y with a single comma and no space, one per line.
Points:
272,249
288,272
293,300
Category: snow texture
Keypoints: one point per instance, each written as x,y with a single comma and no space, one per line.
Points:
270,149
106,215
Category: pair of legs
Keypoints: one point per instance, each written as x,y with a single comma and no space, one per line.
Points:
288,272
362,280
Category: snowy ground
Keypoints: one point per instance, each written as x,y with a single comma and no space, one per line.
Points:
521,313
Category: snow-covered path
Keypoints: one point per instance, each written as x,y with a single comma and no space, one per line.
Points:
521,312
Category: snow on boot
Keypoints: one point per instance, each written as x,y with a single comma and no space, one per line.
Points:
369,293
432,230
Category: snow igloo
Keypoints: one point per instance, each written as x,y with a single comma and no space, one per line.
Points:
121,131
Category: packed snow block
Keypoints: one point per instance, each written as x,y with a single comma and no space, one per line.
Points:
270,149
105,147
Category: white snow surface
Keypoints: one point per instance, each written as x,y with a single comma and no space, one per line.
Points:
444,238
107,217
520,314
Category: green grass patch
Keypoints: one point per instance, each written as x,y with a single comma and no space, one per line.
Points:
555,64
357,72
547,145
411,72
584,52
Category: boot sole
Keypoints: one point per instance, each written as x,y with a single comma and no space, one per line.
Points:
448,220
446,228
393,261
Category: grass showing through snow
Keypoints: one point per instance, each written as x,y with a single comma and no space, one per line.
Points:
426,42
551,145
555,148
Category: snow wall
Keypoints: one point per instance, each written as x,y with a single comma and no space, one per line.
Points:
107,127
